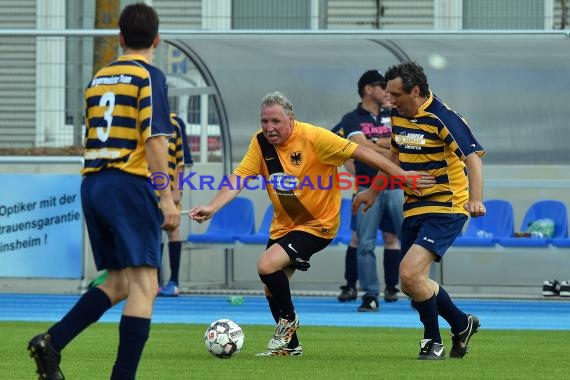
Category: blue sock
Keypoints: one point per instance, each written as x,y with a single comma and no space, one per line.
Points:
159,269
392,258
90,307
174,251
133,334
451,313
428,315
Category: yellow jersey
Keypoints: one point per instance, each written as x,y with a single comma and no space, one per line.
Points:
309,160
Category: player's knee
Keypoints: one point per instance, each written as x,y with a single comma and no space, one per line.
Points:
122,294
116,291
390,240
408,277
264,266
405,289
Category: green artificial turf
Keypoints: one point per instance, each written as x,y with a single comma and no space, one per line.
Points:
177,351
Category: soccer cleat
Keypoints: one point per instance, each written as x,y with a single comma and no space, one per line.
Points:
430,350
551,288
565,289
347,293
46,357
170,290
369,303
297,351
391,294
460,341
283,333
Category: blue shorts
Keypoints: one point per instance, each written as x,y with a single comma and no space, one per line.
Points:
123,219
435,232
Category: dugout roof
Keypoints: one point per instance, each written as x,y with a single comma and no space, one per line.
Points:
513,88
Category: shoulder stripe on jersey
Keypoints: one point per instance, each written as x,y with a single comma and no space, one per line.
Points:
458,152
146,102
448,139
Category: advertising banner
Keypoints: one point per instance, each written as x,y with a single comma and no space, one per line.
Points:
41,226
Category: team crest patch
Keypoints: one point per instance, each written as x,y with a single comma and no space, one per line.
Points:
296,158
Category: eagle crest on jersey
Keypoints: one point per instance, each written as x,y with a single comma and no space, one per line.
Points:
296,158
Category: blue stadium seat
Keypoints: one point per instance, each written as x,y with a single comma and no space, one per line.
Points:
262,235
485,231
237,218
551,209
561,242
344,234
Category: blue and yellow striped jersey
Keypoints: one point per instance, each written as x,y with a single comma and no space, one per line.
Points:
126,103
175,151
187,154
436,140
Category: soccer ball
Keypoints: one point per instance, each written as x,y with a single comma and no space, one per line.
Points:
223,338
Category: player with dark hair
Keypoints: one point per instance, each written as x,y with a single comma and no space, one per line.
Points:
428,136
180,156
306,218
369,125
127,127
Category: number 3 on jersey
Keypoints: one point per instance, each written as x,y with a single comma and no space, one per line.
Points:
107,100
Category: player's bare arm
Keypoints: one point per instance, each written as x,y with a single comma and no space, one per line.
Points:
223,196
475,204
413,180
384,143
361,140
176,190
387,167
157,156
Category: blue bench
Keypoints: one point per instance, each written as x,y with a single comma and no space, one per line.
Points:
235,219
262,235
485,231
551,209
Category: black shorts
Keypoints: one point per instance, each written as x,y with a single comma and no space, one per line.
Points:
300,244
